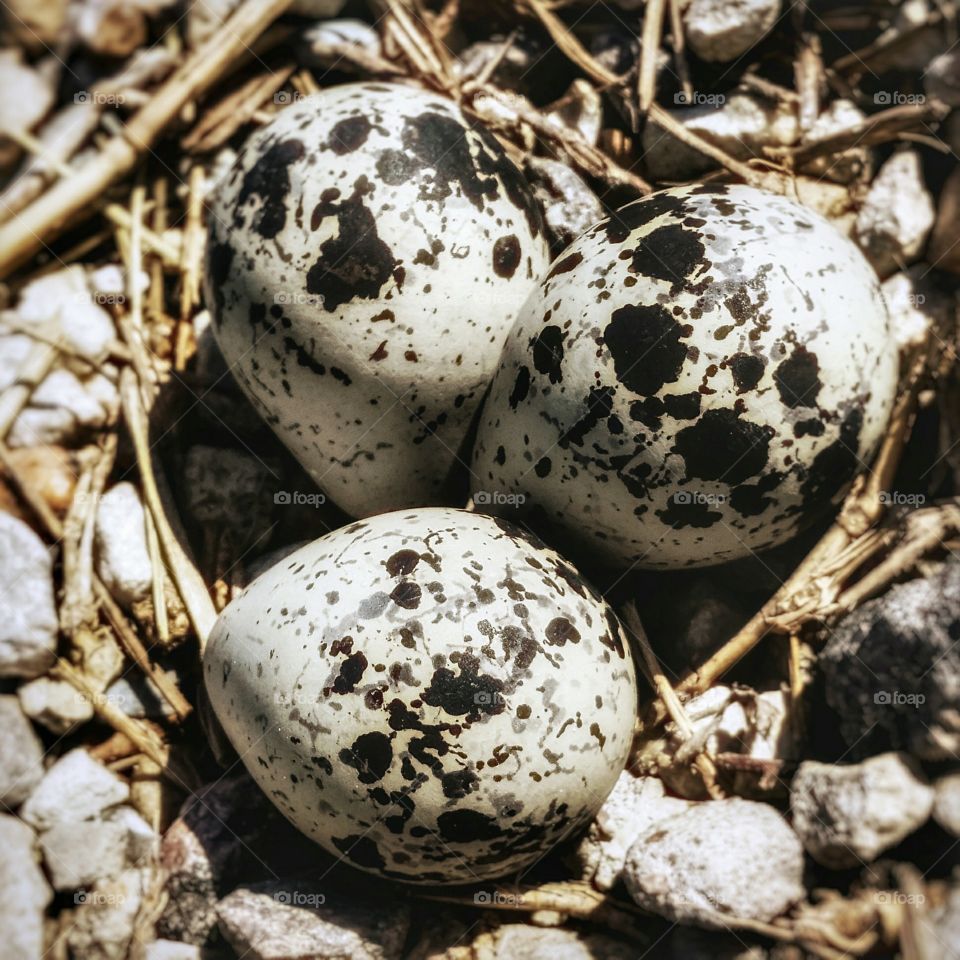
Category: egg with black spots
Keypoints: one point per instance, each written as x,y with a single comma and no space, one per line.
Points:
433,695
368,253
697,378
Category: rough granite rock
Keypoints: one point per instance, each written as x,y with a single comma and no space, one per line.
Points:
897,214
848,815
123,560
21,754
717,859
202,849
847,165
25,892
280,921
946,803
892,670
76,787
106,915
55,704
633,806
723,30
28,627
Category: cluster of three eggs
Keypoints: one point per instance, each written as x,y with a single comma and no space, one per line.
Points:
693,379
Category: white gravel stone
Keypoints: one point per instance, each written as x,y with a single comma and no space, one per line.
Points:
75,788
104,922
300,922
21,754
722,30
170,950
25,892
844,166
138,697
897,214
79,854
633,806
521,941
717,859
915,305
741,125
55,704
63,306
28,627
941,80
569,205
28,96
62,407
946,803
355,33
848,815
123,560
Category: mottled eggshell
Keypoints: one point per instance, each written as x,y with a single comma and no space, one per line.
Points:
432,695
696,378
368,254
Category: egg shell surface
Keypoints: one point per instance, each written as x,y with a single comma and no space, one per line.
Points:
431,695
697,378
368,253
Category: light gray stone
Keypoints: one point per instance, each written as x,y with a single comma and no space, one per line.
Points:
137,696
946,803
633,806
569,205
79,854
848,815
916,305
55,704
717,859
847,165
328,33
62,306
944,926
171,950
21,754
76,787
941,79
123,560
25,892
277,921
106,916
897,214
742,125
28,627
521,941
723,30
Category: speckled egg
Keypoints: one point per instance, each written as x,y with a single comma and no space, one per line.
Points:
431,695
368,253
696,378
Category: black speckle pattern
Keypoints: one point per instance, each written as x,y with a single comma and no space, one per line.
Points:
449,740
698,377
369,252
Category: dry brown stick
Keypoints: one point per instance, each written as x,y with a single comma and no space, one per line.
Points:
39,223
189,583
671,701
808,73
653,16
157,580
114,212
877,128
680,48
748,174
34,369
191,266
861,510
